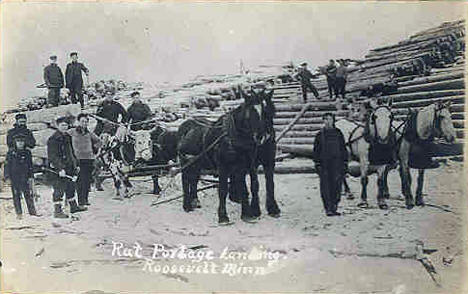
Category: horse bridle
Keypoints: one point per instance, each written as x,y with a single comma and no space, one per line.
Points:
373,120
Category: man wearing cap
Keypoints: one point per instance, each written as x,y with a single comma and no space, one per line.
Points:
138,112
63,163
53,78
74,79
110,111
331,161
304,76
20,128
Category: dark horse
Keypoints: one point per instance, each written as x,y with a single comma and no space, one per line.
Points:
266,154
228,147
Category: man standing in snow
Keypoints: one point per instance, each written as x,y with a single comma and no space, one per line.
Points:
53,78
331,161
75,80
138,112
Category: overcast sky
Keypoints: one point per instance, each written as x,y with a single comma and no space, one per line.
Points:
156,42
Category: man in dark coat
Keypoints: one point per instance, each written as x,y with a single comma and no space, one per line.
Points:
64,166
331,161
110,111
20,128
138,112
331,78
19,169
74,79
53,78
304,76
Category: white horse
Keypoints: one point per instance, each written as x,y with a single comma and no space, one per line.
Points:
360,138
418,129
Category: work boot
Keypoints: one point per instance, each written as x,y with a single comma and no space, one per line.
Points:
74,207
58,213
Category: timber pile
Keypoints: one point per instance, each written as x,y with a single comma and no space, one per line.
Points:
413,92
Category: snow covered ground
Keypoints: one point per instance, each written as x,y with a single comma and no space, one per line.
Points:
364,250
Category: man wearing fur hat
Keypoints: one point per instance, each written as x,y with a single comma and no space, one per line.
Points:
53,77
20,128
64,166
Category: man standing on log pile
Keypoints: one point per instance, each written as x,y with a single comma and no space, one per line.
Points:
331,162
304,75
331,78
341,78
20,128
75,80
138,112
64,166
53,77
109,110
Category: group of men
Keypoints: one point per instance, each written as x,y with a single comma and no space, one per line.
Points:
53,78
71,153
337,78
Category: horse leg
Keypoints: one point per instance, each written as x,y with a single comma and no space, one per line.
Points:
380,190
156,187
347,190
405,176
419,196
186,190
271,204
386,193
254,187
222,193
364,181
195,203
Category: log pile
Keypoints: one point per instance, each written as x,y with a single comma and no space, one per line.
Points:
413,92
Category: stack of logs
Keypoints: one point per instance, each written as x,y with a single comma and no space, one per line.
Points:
296,124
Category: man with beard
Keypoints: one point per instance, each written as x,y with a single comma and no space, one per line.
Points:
20,128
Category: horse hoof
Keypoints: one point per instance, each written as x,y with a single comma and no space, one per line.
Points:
363,205
249,219
223,220
409,206
188,208
234,199
274,214
383,206
350,196
256,213
420,203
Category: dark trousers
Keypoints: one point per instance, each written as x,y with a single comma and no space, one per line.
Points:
84,180
53,97
63,186
331,87
331,177
340,87
308,86
17,192
76,94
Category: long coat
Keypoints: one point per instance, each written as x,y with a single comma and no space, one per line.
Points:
60,153
73,74
53,76
30,142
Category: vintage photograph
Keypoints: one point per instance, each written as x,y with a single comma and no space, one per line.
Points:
232,147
